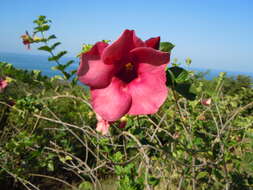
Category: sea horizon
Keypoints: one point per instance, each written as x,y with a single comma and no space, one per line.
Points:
40,62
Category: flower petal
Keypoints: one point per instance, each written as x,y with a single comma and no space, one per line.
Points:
149,55
103,127
149,90
153,43
112,102
92,71
118,51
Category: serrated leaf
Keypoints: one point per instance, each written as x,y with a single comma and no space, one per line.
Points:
166,46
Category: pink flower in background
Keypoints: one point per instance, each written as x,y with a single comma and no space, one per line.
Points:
3,84
27,40
206,102
125,77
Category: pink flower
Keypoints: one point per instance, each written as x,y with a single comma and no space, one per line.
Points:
3,84
102,125
206,102
27,40
126,77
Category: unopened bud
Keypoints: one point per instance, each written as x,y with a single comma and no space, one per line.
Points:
124,119
90,114
123,122
206,102
36,39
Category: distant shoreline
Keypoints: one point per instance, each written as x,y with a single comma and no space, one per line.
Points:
39,62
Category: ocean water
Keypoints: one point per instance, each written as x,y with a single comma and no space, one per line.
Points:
40,62
36,62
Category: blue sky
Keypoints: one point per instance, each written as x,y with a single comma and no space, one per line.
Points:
215,34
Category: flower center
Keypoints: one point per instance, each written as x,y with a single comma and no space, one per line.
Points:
129,66
127,72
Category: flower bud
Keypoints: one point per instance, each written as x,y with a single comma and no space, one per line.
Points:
123,122
36,39
3,84
206,102
90,114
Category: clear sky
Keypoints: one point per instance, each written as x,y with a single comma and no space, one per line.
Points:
215,34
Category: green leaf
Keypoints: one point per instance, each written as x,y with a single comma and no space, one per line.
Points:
38,22
178,79
66,75
42,28
154,181
117,157
55,68
184,90
55,45
58,67
176,74
106,41
188,61
85,48
179,73
166,46
56,77
73,72
69,63
41,17
182,77
57,57
51,37
85,185
50,166
36,73
45,27
45,48
202,174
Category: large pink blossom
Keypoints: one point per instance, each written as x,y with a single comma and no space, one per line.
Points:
125,77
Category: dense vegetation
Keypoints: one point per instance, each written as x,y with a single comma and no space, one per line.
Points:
48,138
